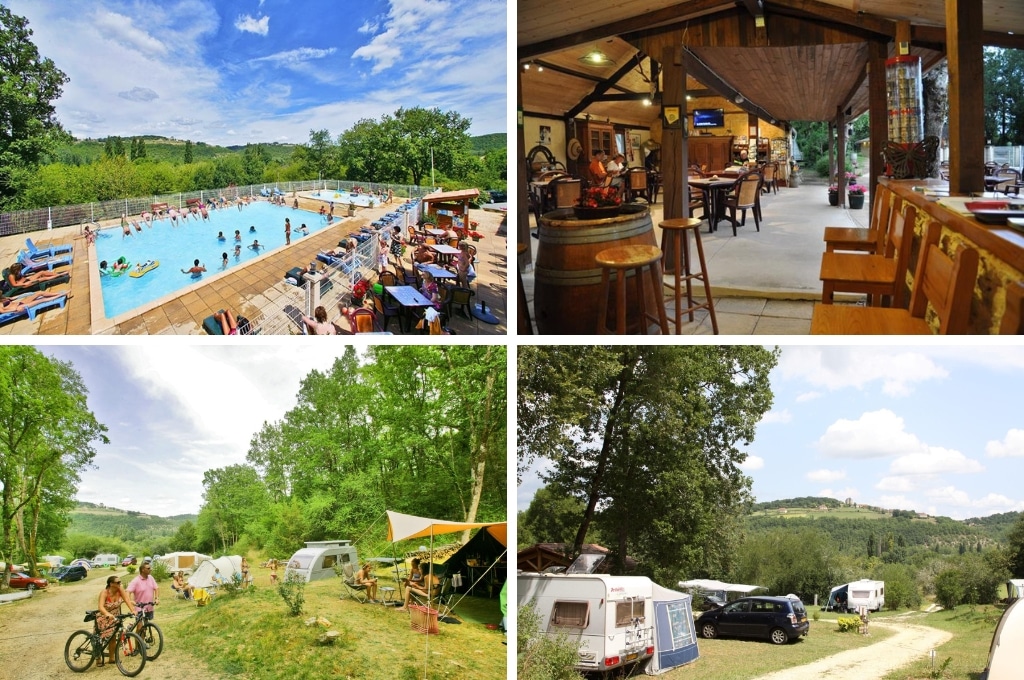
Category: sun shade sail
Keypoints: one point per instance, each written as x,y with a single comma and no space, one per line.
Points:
402,527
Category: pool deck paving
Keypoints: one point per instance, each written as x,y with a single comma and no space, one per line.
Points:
249,289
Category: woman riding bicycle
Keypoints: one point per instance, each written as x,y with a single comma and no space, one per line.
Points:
111,599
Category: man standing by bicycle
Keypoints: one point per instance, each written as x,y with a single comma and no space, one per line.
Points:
144,590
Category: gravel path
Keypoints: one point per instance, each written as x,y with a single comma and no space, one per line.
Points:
33,633
873,662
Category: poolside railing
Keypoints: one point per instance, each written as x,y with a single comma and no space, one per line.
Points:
40,219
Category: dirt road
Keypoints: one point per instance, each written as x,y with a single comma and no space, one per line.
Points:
873,662
33,633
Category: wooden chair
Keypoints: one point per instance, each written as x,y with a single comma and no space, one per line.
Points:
1012,178
947,284
387,278
770,172
876,275
636,185
870,240
1013,317
745,198
565,192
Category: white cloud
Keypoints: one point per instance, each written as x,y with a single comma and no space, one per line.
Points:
807,396
990,503
139,94
406,22
897,484
839,494
935,461
297,56
901,503
836,368
752,463
876,434
248,24
783,416
824,476
1012,445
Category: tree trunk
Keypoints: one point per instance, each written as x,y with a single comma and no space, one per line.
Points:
935,87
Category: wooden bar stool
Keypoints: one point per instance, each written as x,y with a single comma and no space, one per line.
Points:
622,259
676,240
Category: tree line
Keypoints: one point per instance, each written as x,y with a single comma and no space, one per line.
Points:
411,146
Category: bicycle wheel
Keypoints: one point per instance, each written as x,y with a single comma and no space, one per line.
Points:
79,652
154,639
130,654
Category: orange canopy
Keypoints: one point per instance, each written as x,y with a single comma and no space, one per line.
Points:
402,527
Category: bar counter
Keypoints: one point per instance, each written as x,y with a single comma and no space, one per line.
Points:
1000,247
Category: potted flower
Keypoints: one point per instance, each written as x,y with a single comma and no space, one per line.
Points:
359,291
351,209
475,235
833,195
855,192
598,202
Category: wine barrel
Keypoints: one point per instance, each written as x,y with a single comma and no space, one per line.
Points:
567,280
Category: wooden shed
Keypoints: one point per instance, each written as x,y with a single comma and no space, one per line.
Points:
451,208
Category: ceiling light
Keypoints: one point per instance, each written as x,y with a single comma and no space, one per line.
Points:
739,99
596,57
540,69
647,101
526,66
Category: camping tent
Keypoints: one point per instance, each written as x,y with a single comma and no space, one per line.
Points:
1015,588
229,565
471,560
1005,654
183,561
675,641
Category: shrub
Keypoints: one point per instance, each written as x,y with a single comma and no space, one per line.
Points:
131,568
540,656
816,615
160,570
949,591
848,624
292,589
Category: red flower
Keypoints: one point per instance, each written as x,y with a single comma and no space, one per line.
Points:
600,197
359,290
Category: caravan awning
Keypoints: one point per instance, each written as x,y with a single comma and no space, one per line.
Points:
402,527
711,585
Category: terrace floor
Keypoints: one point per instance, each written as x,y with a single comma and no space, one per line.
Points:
249,289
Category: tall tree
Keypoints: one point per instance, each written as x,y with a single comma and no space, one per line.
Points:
47,434
321,153
189,152
234,497
29,84
650,432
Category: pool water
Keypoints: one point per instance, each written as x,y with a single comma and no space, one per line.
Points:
177,247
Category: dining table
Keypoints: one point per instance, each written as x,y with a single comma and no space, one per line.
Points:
410,299
437,272
715,189
444,252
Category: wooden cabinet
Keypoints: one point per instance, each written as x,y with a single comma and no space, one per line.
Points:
595,136
713,152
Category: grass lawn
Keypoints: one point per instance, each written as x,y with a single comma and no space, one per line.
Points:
735,659
252,635
972,628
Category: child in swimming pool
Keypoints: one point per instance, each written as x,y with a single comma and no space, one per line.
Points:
220,236
223,260
238,251
252,229
255,245
238,236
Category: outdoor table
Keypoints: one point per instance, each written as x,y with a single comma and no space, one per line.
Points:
443,251
714,189
409,298
388,593
436,272
435,232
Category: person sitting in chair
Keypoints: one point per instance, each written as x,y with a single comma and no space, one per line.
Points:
364,577
415,573
598,174
422,588
616,170
180,585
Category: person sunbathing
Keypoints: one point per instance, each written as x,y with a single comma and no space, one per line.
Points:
23,302
227,321
17,277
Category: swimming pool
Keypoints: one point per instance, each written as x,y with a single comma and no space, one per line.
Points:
342,198
177,247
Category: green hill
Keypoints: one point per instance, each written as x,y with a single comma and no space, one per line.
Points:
127,525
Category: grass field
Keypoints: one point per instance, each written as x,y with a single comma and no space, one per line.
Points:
251,635
972,628
839,513
734,659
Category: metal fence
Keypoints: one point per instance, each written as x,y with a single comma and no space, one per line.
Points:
39,219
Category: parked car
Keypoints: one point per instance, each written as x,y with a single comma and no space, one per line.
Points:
129,559
22,580
779,619
70,573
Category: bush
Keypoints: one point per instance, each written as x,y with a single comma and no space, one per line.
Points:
949,591
848,624
540,656
131,568
816,615
160,570
292,589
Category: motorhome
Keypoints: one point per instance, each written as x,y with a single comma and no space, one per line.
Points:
318,559
106,560
611,618
850,597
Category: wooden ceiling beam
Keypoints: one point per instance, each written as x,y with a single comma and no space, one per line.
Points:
682,11
699,70
567,71
602,88
820,11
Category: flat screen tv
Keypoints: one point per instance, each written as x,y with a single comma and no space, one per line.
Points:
708,118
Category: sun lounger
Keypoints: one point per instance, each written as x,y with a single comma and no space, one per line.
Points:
37,265
10,291
49,251
32,310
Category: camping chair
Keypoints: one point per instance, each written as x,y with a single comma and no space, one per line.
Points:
440,598
356,591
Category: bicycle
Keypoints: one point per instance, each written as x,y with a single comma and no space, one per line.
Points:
83,647
148,631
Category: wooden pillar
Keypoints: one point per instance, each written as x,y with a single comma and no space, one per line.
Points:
879,114
831,152
674,147
966,96
522,202
841,155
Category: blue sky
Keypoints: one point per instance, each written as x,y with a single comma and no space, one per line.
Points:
175,411
937,429
236,71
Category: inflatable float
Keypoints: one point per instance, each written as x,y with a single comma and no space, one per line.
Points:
144,268
119,267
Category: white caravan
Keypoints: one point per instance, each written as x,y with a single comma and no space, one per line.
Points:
318,559
610,617
106,560
850,597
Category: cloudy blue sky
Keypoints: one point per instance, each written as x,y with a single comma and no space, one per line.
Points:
236,71
175,411
938,429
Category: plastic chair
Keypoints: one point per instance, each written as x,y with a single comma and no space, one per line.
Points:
463,297
363,321
386,278
385,311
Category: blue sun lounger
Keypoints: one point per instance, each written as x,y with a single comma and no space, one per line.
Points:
36,253
32,311
31,265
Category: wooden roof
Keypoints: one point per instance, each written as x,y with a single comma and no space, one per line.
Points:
806,62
